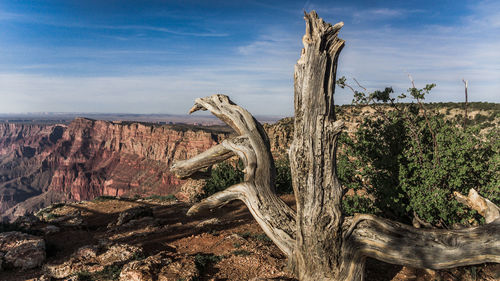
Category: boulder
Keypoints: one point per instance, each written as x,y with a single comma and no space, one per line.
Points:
21,250
93,259
164,266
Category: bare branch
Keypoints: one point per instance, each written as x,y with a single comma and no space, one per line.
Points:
466,117
412,81
359,85
483,206
219,199
214,155
257,191
397,243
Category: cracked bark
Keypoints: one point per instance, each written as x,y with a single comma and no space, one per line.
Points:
320,243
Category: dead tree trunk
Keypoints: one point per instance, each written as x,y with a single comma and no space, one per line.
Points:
320,243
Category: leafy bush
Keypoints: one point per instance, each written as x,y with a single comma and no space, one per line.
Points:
226,174
241,253
202,261
410,160
162,198
222,176
257,236
283,179
110,272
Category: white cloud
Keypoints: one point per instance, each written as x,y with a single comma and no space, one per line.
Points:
259,74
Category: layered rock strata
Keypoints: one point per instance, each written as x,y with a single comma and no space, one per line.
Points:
90,158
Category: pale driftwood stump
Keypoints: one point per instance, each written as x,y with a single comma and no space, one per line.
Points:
320,243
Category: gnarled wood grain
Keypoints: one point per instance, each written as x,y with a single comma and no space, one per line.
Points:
257,191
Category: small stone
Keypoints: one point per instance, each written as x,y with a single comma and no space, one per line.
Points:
50,229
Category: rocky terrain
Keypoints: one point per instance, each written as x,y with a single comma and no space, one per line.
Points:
152,239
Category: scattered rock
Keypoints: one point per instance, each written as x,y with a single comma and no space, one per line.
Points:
76,220
119,253
21,250
42,278
164,266
209,222
88,259
141,222
191,190
267,279
146,269
86,252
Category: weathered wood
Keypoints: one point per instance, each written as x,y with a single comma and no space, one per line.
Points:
257,191
312,154
214,155
320,243
396,243
483,206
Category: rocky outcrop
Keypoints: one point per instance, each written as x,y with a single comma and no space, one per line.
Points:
163,266
133,214
21,250
33,204
93,259
280,136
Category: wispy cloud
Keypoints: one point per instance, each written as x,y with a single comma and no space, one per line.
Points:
380,14
358,15
486,14
44,20
152,28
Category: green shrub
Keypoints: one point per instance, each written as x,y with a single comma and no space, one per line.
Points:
202,261
110,272
103,198
410,160
283,179
162,198
225,174
222,176
257,236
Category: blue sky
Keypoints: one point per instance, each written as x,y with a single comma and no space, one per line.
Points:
158,56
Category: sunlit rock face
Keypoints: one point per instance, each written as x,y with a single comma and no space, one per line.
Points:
89,158
103,158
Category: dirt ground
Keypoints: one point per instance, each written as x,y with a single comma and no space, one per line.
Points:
229,241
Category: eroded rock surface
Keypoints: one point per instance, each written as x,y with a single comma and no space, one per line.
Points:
162,266
93,259
21,250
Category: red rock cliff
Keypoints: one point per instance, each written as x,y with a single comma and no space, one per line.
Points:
90,158
103,158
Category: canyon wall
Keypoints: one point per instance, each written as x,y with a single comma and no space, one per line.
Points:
89,158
